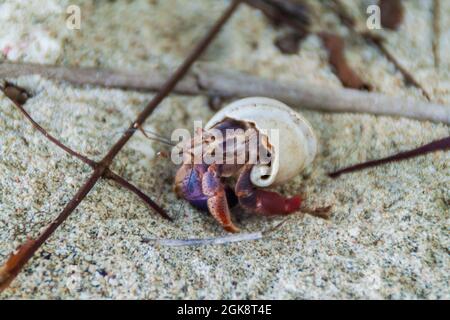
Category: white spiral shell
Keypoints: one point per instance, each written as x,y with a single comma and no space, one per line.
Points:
295,147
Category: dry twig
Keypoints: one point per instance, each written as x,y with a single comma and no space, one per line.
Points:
25,252
209,80
436,32
283,12
371,39
288,43
9,90
283,16
302,94
336,57
392,13
438,145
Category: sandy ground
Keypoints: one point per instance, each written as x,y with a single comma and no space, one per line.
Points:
389,232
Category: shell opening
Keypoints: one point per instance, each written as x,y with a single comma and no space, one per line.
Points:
261,175
292,144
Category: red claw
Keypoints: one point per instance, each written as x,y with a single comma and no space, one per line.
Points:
272,203
292,204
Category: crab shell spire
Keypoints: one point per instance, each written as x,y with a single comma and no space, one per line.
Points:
293,144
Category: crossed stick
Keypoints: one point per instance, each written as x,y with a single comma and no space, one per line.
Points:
101,169
25,252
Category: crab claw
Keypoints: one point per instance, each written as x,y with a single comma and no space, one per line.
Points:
272,203
262,201
293,204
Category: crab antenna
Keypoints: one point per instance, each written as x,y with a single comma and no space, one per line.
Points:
158,137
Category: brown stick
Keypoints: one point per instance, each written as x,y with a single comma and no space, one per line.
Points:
46,134
349,22
392,13
127,185
16,262
210,80
436,32
409,78
11,266
438,145
108,173
152,80
279,14
304,95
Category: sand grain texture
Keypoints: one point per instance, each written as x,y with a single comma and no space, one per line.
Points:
388,236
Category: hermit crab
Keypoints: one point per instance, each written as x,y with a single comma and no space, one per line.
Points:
256,143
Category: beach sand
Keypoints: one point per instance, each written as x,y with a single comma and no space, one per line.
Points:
388,236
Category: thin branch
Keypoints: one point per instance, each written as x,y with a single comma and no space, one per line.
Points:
392,13
10,268
321,212
15,93
350,23
45,133
279,13
221,83
436,32
346,19
25,252
108,173
438,145
305,95
409,78
127,185
17,261
153,80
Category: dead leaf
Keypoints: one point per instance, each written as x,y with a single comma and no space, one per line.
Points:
294,13
289,43
335,47
215,102
16,93
391,13
297,9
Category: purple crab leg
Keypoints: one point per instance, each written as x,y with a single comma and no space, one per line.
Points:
217,198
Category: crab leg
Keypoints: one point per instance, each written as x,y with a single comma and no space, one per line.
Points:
261,201
217,198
